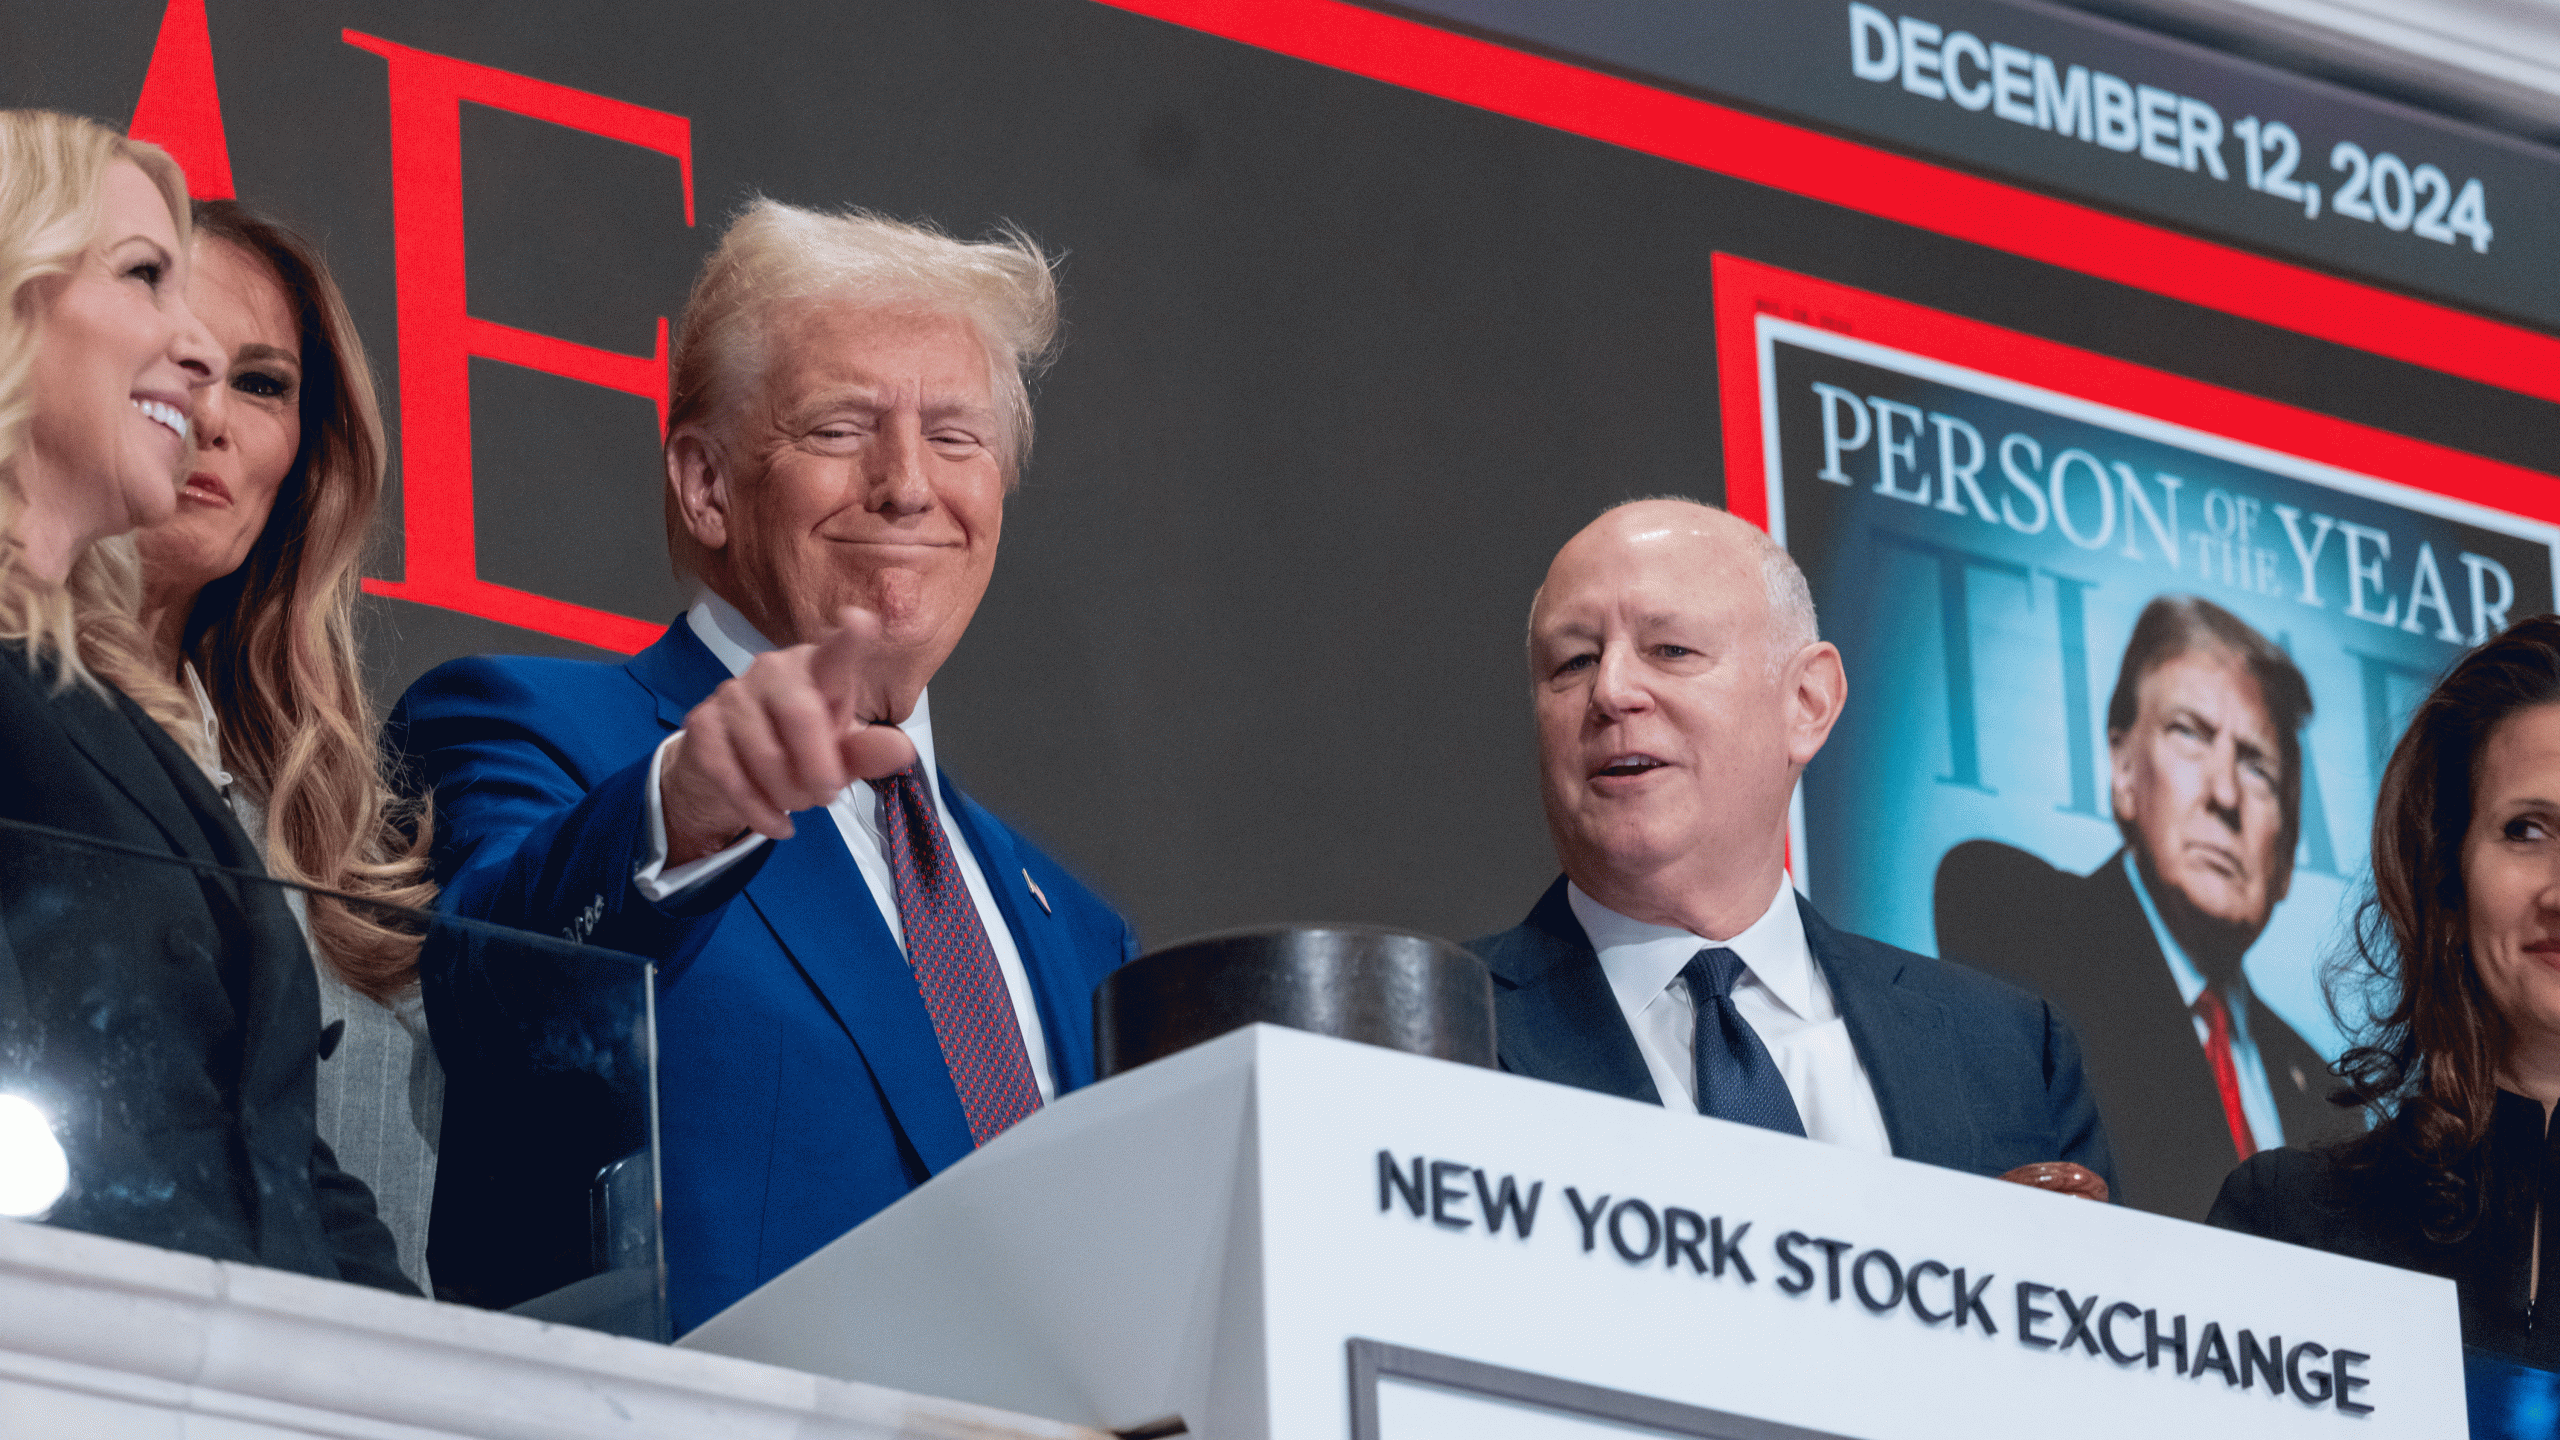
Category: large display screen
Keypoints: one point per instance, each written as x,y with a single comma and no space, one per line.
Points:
1985,520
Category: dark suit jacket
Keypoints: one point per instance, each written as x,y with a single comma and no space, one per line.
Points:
167,1018
2369,1201
2083,941
801,1087
1970,1073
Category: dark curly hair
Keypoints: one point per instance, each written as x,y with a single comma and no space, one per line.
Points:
2430,1038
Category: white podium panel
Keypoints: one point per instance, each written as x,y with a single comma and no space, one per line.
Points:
106,1340
1281,1235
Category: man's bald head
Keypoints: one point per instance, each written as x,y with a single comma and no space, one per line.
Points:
1679,690
1676,520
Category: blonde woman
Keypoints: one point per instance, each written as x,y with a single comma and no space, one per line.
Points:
163,1015
248,606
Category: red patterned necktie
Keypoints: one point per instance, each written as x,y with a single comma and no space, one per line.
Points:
954,965
2216,1015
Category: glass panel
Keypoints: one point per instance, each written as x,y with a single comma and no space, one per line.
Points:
154,1085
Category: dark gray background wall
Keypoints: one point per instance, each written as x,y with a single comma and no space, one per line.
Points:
1344,365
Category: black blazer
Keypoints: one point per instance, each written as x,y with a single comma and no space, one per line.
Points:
166,1018
1970,1073
2376,1210
2083,941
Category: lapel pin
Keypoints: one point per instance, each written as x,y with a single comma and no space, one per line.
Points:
1035,892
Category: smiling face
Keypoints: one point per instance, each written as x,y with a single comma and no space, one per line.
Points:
1669,736
2199,783
247,424
864,472
2511,872
118,354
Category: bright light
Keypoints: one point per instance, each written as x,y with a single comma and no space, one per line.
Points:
33,1170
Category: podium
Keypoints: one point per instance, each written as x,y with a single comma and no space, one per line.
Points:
108,1340
1281,1235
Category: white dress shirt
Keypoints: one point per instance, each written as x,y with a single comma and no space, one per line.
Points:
2257,1098
859,815
1781,996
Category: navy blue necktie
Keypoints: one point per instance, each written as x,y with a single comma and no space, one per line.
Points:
1736,1078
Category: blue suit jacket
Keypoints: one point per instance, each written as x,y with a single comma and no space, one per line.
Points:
1971,1073
801,1087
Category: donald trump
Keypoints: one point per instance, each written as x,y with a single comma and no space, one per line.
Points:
861,973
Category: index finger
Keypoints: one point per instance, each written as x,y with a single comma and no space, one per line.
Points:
836,662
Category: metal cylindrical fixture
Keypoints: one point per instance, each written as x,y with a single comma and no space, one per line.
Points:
1358,982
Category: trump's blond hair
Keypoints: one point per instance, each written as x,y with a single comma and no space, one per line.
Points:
775,257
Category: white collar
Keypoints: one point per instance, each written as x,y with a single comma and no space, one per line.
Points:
735,642
1641,959
2181,969
208,754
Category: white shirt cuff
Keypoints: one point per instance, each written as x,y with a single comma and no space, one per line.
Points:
655,882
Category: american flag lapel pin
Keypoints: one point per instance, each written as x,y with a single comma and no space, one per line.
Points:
1035,892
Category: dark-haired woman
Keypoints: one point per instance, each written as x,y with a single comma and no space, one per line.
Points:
2457,965
248,609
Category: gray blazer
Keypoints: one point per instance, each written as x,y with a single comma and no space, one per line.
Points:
380,1102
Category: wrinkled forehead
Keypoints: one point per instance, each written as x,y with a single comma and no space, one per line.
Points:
843,342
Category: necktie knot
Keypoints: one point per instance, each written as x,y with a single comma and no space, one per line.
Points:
889,784
1712,973
2209,1007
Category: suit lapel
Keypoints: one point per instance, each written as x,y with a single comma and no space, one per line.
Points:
1903,1039
2302,1106
2138,1004
117,747
2151,1054
1057,982
679,670
1556,1016
813,898
2143,994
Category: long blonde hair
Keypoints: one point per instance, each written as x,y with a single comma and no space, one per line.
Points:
275,643
53,169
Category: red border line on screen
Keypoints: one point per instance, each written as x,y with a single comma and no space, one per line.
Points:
1561,96
1747,289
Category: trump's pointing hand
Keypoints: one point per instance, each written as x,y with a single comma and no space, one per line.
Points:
790,734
